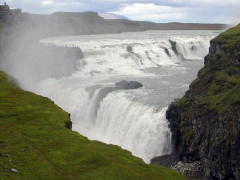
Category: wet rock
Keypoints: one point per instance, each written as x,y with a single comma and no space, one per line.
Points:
129,49
167,161
194,48
167,52
174,46
175,50
128,85
193,170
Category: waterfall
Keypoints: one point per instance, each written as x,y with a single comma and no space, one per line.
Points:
112,56
139,128
164,62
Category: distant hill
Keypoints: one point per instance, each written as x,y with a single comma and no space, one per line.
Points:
35,26
111,16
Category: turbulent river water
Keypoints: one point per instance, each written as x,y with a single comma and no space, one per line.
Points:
165,62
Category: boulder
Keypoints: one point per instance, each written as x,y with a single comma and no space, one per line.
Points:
129,49
128,85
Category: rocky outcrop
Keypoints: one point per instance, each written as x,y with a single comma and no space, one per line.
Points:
175,50
192,170
128,85
205,123
167,161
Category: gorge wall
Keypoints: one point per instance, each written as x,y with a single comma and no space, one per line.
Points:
206,122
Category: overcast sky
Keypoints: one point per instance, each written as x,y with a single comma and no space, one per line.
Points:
203,11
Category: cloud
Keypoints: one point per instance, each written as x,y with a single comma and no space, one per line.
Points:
205,3
186,13
209,11
60,5
48,6
47,3
151,12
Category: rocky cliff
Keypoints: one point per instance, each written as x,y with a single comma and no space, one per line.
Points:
206,122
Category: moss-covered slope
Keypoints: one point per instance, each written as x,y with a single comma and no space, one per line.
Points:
206,121
35,144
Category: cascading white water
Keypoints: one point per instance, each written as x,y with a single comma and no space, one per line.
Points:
110,55
133,119
141,128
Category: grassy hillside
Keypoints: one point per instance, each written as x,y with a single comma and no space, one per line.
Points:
230,38
219,80
35,144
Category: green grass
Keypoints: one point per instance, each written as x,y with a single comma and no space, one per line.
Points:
35,141
229,39
223,92
218,83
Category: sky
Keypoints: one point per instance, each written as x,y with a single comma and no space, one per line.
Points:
162,11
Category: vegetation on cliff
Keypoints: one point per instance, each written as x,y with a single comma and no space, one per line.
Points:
35,144
205,122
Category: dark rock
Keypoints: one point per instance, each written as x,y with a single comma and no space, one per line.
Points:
192,170
214,48
4,155
129,49
193,48
68,124
174,46
167,52
175,50
128,85
167,161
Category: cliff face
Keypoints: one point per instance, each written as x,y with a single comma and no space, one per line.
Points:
206,121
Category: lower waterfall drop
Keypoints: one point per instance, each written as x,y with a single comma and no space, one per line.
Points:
139,128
